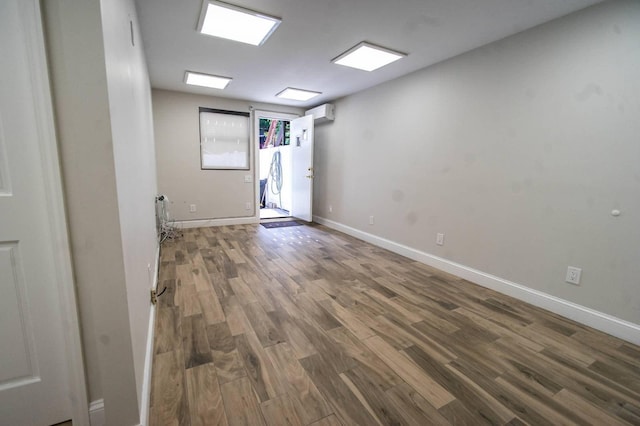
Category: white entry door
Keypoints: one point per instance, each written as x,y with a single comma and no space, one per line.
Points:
302,167
34,382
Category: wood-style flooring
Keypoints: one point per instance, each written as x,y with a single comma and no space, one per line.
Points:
308,326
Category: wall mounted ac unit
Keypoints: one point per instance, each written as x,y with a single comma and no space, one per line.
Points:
322,113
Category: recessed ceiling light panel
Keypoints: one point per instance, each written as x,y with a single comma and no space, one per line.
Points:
367,57
235,23
206,80
297,94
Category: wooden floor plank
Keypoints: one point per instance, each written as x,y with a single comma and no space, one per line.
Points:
305,397
410,372
210,306
168,325
280,412
266,381
539,406
344,403
236,318
205,400
194,342
379,372
225,356
347,318
414,409
589,413
474,402
363,400
200,274
372,397
241,403
170,405
331,420
262,325
293,335
338,358
228,365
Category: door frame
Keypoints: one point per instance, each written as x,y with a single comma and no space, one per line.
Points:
31,17
257,114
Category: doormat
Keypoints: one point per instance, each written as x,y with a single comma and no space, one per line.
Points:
281,224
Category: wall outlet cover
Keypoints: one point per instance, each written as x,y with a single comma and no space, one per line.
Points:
573,275
440,239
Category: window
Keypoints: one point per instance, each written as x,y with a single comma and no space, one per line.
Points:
224,139
274,132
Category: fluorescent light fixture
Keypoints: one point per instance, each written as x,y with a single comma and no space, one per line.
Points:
235,23
297,94
206,80
367,57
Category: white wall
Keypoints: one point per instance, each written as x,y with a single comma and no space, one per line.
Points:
517,152
216,193
103,117
135,166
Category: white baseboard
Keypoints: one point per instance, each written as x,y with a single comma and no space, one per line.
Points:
148,363
96,413
600,321
201,223
148,359
156,270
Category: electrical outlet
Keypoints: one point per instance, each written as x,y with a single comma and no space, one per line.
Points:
247,205
371,221
330,209
247,179
192,208
573,275
440,239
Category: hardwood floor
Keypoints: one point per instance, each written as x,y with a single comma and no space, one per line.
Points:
307,326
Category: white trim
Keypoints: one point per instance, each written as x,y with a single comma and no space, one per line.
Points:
582,314
148,359
96,413
148,367
156,271
43,109
201,223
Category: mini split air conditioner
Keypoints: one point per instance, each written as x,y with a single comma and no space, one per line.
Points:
322,113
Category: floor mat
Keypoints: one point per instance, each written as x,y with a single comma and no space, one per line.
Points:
281,224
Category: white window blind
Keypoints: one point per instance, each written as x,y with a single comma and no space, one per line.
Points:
224,139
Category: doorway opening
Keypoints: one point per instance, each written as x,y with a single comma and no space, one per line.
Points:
284,163
274,165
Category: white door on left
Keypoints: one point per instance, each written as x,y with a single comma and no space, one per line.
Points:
34,388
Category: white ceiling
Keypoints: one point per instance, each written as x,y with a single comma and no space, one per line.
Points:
313,32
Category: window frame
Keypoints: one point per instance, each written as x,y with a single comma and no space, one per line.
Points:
247,163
